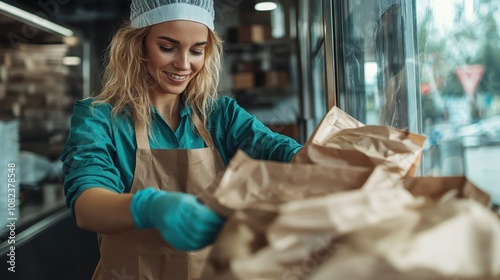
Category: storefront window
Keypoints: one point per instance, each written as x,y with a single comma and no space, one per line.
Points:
430,67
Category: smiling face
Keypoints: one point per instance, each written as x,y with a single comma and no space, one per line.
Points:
175,54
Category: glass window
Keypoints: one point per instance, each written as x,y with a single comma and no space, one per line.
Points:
431,67
317,60
313,94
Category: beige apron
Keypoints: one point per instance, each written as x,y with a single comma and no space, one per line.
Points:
142,254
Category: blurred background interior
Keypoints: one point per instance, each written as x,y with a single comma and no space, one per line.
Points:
430,67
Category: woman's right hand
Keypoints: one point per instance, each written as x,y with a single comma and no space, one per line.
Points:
181,219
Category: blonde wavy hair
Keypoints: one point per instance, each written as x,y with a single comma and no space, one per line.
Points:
126,83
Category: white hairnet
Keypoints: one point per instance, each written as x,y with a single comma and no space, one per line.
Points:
148,12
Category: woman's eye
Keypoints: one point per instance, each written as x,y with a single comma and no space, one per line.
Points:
196,52
166,49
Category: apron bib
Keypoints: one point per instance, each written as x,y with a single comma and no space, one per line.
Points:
143,254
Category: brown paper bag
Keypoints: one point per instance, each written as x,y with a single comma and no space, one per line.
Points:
380,227
457,239
340,139
444,188
247,181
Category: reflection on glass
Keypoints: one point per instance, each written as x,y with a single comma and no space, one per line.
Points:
318,83
455,47
371,89
317,58
390,59
316,25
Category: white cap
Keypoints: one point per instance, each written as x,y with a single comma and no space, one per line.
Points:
148,12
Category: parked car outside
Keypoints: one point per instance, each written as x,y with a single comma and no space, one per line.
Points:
483,132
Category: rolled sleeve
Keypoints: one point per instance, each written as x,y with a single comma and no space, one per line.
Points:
244,131
89,152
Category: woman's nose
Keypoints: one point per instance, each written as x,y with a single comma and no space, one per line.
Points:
181,61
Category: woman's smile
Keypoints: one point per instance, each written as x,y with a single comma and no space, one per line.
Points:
175,77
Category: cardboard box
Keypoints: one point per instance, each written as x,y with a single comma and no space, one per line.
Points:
276,79
243,80
256,33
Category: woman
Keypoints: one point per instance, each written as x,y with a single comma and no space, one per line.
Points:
140,153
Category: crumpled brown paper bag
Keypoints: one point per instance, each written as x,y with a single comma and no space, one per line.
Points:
385,229
457,239
247,181
287,221
340,139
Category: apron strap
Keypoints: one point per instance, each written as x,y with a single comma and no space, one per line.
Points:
141,135
202,130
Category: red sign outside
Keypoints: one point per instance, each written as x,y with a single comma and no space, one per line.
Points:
470,76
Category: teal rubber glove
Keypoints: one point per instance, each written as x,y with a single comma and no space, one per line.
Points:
183,222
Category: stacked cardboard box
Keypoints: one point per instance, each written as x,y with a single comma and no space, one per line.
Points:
39,91
276,79
255,33
243,80
250,33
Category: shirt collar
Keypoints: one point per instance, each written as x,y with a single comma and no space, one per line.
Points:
184,111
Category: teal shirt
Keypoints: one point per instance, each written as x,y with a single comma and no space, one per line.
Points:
100,149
